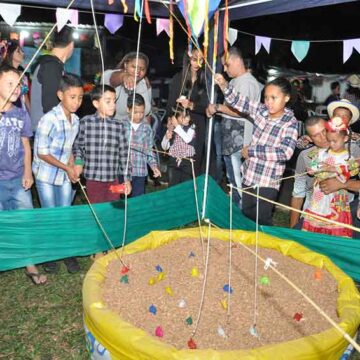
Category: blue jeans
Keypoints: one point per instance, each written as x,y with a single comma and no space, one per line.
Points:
55,195
137,185
233,163
13,196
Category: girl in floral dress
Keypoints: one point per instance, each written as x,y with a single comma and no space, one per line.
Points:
333,162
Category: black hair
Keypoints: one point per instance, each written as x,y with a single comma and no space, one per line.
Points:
68,81
138,101
334,85
12,46
99,90
132,56
312,120
234,51
186,77
281,83
64,37
5,68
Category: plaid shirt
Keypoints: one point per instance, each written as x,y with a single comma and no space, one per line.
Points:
272,144
102,145
141,148
54,136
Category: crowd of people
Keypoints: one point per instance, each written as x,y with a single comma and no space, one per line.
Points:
112,149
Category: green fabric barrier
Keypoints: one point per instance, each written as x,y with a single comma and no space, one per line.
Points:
39,235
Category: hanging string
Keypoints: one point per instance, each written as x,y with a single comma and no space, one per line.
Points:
99,223
230,252
131,130
297,289
205,280
197,209
256,263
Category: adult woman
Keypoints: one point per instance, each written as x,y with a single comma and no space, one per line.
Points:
188,88
14,57
125,82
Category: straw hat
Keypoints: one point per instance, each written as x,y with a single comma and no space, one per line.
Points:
354,81
344,103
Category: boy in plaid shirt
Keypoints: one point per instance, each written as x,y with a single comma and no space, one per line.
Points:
100,149
142,143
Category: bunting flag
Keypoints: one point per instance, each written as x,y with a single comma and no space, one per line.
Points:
206,30
349,46
226,30
10,12
162,25
171,35
194,12
147,11
125,7
300,49
216,27
262,41
137,10
113,22
63,16
233,34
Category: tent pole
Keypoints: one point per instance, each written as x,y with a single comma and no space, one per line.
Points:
210,129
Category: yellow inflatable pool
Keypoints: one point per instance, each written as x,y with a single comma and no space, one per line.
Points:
108,337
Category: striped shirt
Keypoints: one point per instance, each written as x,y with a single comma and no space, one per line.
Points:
141,148
272,144
102,145
54,136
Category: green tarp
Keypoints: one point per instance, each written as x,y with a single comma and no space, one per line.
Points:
39,235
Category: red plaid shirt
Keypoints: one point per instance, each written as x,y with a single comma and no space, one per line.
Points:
272,144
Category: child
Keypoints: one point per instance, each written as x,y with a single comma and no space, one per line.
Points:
179,140
273,142
53,164
335,161
141,145
101,147
15,153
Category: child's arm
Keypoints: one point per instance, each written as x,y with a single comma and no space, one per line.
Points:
123,155
151,158
28,179
165,142
283,152
79,148
69,169
186,136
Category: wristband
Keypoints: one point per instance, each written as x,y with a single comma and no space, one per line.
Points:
79,162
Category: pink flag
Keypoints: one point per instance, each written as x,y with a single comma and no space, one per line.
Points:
161,25
262,41
349,46
63,16
113,22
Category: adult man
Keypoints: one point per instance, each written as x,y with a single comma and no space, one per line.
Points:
236,132
315,128
47,73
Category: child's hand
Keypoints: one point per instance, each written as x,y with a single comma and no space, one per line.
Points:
174,122
220,80
73,177
27,181
310,171
156,172
78,169
185,103
128,187
169,134
245,152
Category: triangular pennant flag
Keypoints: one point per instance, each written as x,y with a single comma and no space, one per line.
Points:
161,25
113,22
349,45
63,16
300,49
233,34
262,41
10,12
137,10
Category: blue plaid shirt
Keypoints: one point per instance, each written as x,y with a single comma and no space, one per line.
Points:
54,136
141,148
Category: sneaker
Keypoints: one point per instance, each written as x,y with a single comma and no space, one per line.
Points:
51,267
72,265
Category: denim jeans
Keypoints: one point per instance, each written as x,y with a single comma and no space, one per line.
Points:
137,185
233,163
55,195
13,196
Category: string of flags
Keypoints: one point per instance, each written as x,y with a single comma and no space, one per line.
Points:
196,13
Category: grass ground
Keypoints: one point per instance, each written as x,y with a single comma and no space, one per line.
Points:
45,322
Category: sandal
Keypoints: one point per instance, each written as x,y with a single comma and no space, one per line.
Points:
36,278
